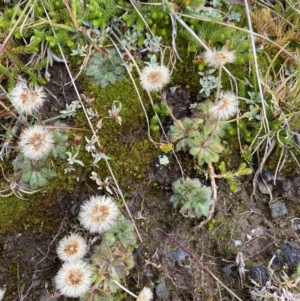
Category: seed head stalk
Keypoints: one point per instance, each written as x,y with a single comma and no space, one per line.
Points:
219,84
175,120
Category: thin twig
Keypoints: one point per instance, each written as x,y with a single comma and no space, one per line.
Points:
194,257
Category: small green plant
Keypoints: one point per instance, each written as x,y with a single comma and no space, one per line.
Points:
121,231
184,133
34,173
162,112
107,69
193,198
231,176
111,261
108,265
211,224
201,137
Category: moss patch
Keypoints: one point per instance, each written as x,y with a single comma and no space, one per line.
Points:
127,145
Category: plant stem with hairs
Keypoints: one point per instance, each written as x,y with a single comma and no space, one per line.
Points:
219,84
178,124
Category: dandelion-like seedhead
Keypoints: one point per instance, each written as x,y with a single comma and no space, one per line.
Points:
73,279
226,107
36,142
154,77
218,58
98,214
27,100
71,248
145,294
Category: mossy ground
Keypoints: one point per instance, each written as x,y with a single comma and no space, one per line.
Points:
127,145
131,154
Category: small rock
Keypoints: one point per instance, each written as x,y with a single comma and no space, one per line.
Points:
238,242
296,225
74,209
291,254
36,281
149,274
263,188
178,255
278,208
249,237
267,175
260,274
277,261
230,269
2,292
257,232
162,291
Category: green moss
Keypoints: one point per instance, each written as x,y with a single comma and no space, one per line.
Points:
127,145
225,231
36,212
155,192
11,212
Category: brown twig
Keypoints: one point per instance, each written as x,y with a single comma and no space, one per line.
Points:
212,177
206,269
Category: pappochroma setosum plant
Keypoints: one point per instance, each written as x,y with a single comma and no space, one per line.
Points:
191,197
109,259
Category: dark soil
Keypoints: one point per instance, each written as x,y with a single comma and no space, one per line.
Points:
241,223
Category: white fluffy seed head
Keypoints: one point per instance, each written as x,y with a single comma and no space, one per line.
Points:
36,142
218,58
98,214
226,107
27,100
145,294
73,279
71,248
154,77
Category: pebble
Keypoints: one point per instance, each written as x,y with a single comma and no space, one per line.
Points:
263,188
2,292
162,291
296,226
260,274
277,261
278,209
257,232
238,242
291,254
267,175
178,255
74,209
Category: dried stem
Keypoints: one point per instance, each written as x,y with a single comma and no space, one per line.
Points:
206,269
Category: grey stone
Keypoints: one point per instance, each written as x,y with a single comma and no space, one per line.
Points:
278,209
178,255
291,254
162,291
263,188
260,274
